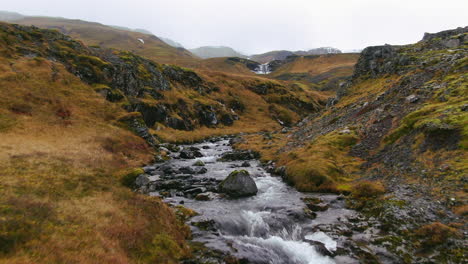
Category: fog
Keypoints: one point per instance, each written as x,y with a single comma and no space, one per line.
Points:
256,26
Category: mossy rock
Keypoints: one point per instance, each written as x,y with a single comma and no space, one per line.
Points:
128,177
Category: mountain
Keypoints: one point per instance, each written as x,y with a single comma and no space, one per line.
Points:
171,42
96,34
283,54
10,16
394,139
215,52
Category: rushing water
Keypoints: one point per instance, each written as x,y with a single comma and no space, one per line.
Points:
263,69
269,227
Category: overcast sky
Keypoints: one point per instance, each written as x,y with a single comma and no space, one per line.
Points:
255,26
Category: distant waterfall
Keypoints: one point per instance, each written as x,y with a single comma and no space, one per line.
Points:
263,69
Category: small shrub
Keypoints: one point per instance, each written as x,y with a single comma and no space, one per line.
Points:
367,189
435,234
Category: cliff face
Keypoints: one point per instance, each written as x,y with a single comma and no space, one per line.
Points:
402,120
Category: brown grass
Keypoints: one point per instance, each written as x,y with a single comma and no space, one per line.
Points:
62,201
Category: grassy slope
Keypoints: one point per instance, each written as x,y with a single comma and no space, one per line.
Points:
108,37
315,65
312,161
317,72
62,156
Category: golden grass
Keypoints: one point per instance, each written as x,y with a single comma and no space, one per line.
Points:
62,200
317,65
321,165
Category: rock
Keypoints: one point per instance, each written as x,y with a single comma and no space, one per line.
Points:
318,207
142,180
190,154
208,196
238,184
320,248
187,170
240,155
345,131
412,99
227,119
149,169
167,169
207,116
201,171
199,163
207,225
206,147
245,164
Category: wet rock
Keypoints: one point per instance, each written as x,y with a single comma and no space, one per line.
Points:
318,207
142,180
201,171
245,164
320,248
207,225
167,169
238,184
199,163
240,155
149,169
208,196
190,154
187,170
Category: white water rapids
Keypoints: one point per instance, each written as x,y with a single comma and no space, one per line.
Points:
269,227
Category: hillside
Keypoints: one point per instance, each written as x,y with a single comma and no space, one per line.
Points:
322,72
76,120
95,34
395,139
207,52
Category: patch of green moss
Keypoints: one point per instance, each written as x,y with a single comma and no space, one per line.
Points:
128,178
164,249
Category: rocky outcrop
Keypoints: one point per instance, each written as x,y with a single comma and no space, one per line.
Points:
238,184
379,60
447,39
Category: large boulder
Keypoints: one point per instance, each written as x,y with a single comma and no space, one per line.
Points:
238,184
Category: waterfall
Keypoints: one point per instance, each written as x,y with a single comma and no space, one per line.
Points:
263,69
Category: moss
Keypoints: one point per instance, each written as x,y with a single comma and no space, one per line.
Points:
163,249
184,213
128,177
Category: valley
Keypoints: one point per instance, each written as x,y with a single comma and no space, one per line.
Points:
119,148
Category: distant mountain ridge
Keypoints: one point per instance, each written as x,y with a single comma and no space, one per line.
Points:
283,54
207,52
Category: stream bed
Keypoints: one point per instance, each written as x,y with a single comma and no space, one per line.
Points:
274,226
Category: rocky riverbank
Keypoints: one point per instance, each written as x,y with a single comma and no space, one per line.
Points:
276,223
